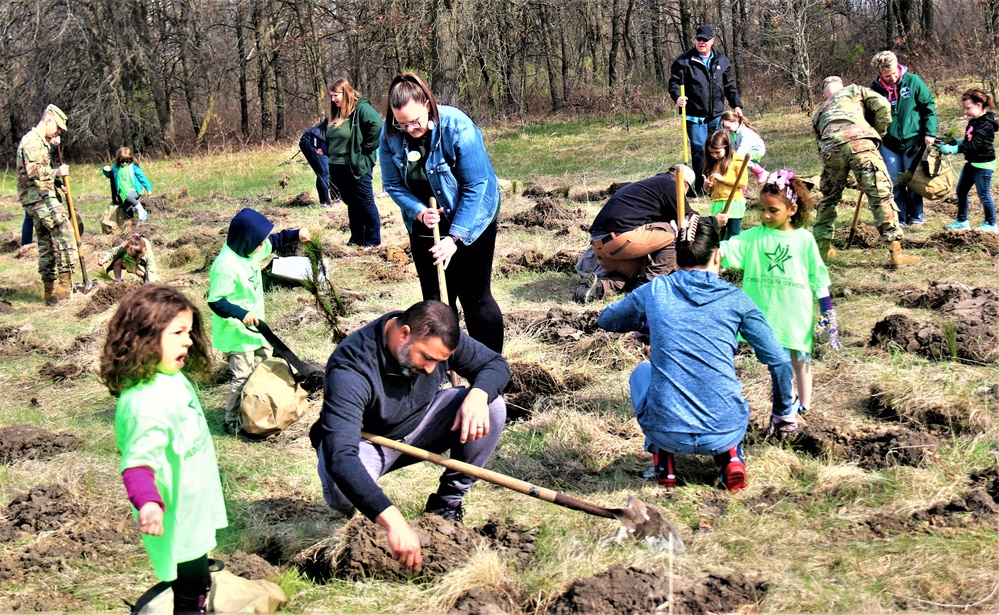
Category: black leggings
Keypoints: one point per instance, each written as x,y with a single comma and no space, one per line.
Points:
191,588
468,280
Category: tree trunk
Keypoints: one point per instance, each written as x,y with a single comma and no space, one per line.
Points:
244,98
614,45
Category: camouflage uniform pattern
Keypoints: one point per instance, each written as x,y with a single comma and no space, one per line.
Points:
849,127
37,193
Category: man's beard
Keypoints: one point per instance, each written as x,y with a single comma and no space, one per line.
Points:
403,357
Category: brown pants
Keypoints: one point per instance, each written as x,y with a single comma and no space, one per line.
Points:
636,256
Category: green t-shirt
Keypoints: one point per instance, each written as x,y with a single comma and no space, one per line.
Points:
736,210
160,424
237,280
416,168
782,272
337,139
126,181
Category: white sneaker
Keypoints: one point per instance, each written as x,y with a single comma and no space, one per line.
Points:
140,213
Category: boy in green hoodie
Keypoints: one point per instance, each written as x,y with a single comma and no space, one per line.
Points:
236,298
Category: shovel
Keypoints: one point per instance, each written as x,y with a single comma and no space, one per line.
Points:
441,278
856,218
738,178
87,285
637,519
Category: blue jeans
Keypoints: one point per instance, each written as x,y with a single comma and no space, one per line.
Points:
27,230
698,134
365,222
982,180
910,202
732,228
321,167
672,442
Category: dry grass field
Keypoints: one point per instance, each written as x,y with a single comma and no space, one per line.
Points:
885,502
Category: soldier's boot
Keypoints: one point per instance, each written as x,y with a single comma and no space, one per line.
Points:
897,258
49,285
826,250
64,286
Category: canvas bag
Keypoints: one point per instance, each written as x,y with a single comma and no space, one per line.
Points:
230,594
273,398
113,219
932,177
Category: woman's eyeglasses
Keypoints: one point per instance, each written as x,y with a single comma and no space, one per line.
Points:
408,125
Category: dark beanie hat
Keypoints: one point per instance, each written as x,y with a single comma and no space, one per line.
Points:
705,32
248,230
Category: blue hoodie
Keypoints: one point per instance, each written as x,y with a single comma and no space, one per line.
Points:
694,317
235,285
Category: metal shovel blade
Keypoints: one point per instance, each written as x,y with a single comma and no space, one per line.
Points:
641,522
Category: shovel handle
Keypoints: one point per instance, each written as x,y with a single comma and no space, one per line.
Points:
73,221
520,486
856,219
738,178
441,277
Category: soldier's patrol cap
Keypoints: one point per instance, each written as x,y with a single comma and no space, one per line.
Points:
58,115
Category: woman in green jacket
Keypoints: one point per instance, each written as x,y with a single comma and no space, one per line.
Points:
352,147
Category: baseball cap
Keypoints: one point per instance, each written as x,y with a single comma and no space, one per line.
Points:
58,115
704,32
688,173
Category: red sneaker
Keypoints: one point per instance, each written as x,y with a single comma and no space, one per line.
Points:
734,473
665,469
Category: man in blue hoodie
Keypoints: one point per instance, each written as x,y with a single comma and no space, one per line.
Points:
236,298
687,398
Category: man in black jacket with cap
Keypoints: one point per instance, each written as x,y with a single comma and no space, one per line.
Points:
707,77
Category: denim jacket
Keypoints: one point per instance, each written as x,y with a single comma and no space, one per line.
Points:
459,172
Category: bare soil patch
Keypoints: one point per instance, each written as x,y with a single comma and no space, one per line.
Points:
866,237
20,442
250,566
942,413
560,326
15,341
185,254
530,382
633,590
561,261
46,507
546,213
9,242
302,199
515,543
872,447
60,372
105,297
203,238
967,241
482,601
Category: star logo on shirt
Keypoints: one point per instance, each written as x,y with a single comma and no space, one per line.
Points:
778,257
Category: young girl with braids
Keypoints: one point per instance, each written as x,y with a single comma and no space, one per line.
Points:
782,271
687,398
167,456
721,169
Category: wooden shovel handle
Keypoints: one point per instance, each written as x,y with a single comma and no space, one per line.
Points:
738,178
441,277
495,478
856,219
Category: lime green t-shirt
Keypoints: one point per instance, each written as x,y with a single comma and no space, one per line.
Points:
237,280
736,210
782,272
160,424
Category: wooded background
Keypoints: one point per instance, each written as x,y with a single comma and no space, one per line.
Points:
167,76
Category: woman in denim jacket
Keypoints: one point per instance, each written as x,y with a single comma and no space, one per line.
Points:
435,151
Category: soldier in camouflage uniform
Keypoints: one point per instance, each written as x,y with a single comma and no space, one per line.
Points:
847,141
36,190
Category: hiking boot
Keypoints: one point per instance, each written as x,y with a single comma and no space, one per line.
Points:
733,469
48,295
63,286
896,258
590,289
957,225
437,506
826,249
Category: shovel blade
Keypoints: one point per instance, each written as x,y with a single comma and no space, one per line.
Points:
645,523
83,289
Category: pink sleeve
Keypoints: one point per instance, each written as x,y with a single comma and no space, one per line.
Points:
140,484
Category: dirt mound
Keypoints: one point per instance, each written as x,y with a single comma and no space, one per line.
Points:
302,199
205,239
561,261
867,236
185,254
105,297
633,590
249,566
872,447
951,336
19,442
482,601
89,540
399,255
364,552
585,196
62,372
561,326
540,191
925,411
974,507
530,382
987,479
515,543
213,219
957,301
44,508
970,240
9,242
546,213
17,341
155,203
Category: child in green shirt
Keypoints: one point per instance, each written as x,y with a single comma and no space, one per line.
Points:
236,298
783,269
167,456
